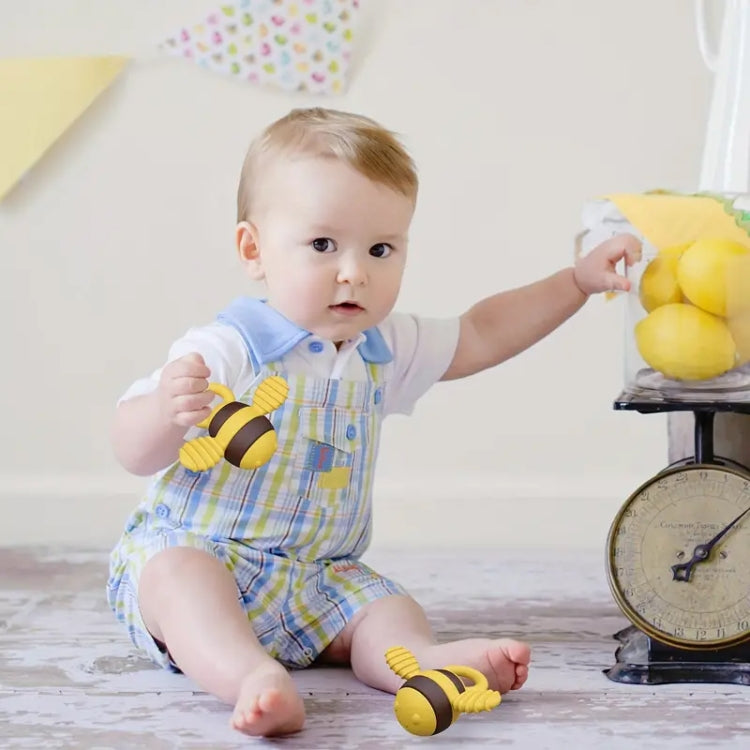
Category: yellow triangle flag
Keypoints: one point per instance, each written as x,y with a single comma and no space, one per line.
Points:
40,98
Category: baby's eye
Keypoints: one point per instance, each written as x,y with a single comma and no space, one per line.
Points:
381,250
323,245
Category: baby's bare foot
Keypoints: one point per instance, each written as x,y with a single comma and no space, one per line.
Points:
504,662
268,704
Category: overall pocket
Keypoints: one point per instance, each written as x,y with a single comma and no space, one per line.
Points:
329,447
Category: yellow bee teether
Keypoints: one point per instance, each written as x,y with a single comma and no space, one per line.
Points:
430,701
238,432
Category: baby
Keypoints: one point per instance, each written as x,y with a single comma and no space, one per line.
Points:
231,576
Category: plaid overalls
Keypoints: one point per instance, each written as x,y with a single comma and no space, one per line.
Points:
290,531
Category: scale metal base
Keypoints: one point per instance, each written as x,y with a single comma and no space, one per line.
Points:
641,660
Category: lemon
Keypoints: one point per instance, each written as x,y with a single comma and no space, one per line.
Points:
684,342
739,327
675,251
714,274
659,281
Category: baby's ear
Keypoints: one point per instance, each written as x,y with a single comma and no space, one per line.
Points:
247,247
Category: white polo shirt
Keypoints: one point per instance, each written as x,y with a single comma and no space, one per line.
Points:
419,351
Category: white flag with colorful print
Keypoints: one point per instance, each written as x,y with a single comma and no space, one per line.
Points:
295,45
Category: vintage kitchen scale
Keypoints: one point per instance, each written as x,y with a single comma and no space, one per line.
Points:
678,561
678,550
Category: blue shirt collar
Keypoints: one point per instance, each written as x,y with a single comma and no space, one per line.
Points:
268,335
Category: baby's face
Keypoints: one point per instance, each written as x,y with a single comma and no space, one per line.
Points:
331,245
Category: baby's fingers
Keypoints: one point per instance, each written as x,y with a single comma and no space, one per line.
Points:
184,386
191,418
191,409
613,282
190,366
193,401
633,251
623,246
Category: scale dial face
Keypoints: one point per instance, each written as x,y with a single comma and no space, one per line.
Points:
660,526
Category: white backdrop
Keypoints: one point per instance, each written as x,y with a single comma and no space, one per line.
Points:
516,111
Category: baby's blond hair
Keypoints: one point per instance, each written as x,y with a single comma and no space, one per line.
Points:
357,140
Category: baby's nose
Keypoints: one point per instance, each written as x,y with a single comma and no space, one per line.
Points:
352,272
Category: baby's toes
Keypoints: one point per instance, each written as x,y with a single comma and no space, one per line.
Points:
504,670
522,674
518,651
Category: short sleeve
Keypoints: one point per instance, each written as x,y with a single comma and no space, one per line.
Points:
222,349
423,349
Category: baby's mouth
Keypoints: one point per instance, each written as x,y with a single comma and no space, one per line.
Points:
347,308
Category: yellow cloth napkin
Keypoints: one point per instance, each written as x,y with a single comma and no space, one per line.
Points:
669,219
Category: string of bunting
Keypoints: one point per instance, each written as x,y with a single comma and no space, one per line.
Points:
289,45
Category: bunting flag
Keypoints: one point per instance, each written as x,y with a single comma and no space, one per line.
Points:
40,98
294,45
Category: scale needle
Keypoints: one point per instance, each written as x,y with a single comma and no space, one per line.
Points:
701,553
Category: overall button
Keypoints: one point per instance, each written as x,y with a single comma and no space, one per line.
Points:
378,397
351,432
315,346
161,510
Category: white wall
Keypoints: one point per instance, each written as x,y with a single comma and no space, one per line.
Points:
516,111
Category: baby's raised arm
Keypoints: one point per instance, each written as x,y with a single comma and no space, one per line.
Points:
503,325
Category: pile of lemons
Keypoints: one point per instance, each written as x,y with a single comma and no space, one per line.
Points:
697,297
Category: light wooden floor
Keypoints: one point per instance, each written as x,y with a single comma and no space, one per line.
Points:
68,678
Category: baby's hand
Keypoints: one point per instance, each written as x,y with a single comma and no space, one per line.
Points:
183,390
595,272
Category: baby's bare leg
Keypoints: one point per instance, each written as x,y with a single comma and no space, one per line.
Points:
400,621
188,600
